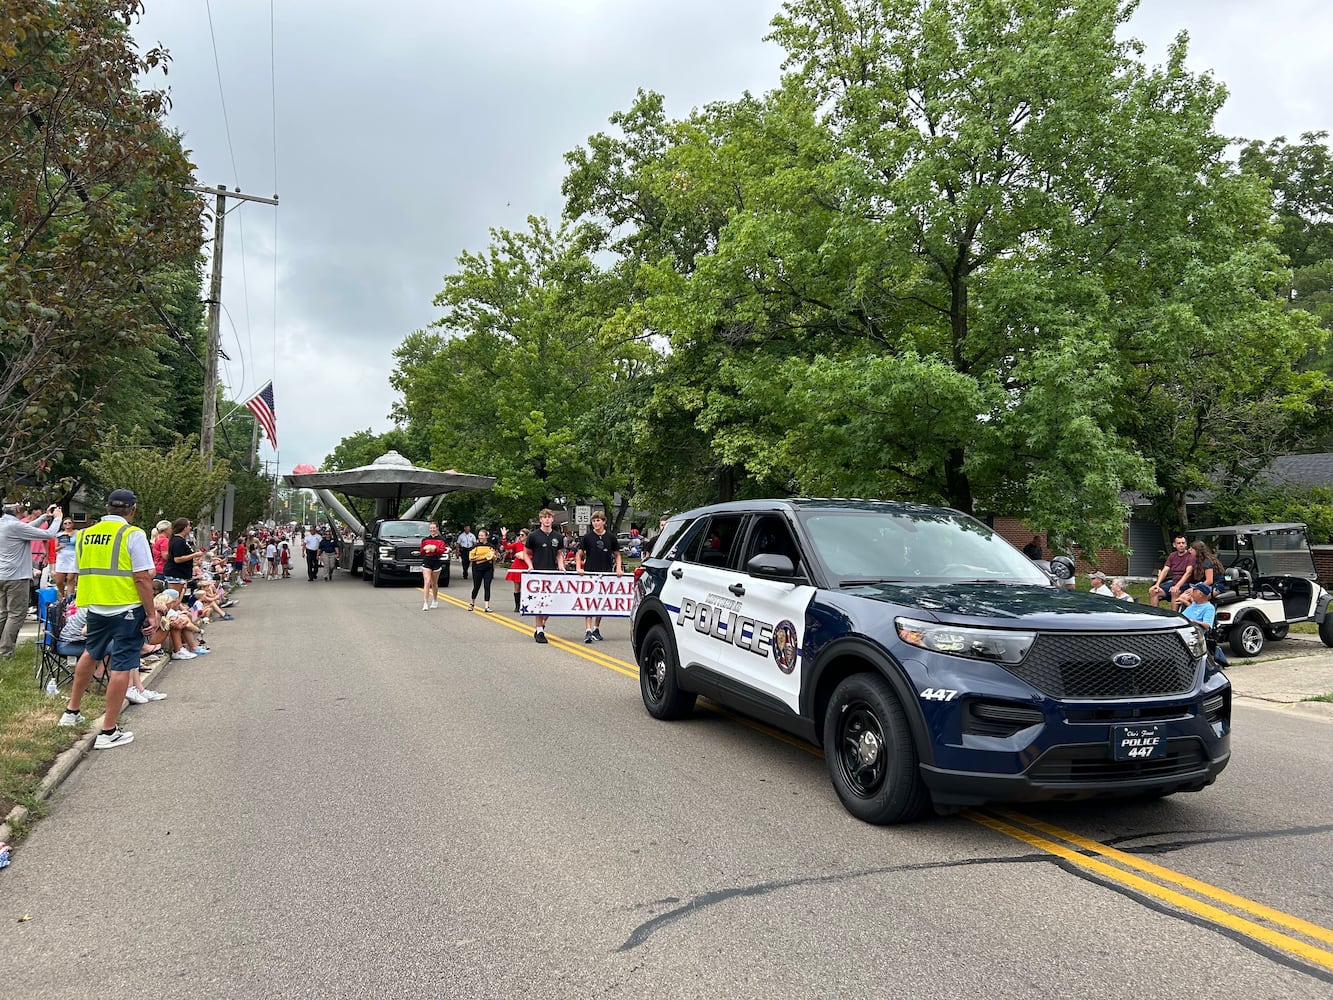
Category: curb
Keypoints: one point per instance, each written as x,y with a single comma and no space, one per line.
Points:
63,767
1318,711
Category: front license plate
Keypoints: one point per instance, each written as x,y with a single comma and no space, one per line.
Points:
1138,742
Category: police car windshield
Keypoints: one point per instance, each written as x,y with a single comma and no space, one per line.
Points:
864,546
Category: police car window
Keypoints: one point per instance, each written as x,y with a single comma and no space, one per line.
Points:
713,541
921,546
671,536
769,535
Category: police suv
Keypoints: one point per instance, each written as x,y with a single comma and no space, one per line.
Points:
930,658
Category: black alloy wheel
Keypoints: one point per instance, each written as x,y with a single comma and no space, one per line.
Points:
658,685
871,757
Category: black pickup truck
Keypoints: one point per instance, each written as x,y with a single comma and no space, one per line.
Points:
393,552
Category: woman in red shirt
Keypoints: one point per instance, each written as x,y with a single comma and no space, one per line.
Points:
520,563
434,550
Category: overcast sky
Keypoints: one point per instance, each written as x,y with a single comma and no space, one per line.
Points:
406,129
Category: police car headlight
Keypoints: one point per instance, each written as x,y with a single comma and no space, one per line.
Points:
1193,640
975,643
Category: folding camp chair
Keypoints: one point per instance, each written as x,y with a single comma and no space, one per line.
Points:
50,665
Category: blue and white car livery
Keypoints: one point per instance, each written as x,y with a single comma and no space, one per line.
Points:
930,658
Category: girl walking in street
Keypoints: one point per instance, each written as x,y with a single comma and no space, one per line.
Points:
521,562
483,559
434,550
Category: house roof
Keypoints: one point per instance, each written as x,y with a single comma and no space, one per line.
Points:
1301,470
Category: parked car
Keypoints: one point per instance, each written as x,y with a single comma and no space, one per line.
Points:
930,658
1271,583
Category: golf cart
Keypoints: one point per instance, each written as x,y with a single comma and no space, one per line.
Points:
1270,582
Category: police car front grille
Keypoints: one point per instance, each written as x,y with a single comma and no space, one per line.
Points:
1078,764
1079,665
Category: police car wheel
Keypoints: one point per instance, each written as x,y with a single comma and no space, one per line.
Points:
868,748
662,696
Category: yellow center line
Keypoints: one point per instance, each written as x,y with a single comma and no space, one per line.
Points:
1184,881
1276,939
1259,932
592,655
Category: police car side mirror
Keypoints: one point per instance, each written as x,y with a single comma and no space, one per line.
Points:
770,564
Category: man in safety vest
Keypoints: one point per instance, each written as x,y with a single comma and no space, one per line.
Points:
116,588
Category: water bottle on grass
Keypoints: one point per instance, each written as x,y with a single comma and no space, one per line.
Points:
51,689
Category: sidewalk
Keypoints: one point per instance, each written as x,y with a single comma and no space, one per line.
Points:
1285,674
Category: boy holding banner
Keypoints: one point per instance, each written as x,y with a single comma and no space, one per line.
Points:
599,552
546,551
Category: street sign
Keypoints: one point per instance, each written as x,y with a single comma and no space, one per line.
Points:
583,515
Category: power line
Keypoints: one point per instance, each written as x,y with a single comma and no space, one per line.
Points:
222,96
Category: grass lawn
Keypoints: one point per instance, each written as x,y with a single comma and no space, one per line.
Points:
30,740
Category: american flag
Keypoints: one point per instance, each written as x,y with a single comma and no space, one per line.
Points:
261,405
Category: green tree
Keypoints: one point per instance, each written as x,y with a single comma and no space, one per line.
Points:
530,345
975,253
363,447
95,221
1301,177
169,484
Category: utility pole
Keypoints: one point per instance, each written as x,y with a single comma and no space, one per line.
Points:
210,414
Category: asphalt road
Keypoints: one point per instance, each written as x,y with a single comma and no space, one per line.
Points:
353,797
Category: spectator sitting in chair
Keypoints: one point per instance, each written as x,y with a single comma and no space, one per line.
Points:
1097,584
1200,610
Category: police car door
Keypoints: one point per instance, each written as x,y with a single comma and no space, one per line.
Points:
696,589
763,651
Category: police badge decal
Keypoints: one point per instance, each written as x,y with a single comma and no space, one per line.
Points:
784,646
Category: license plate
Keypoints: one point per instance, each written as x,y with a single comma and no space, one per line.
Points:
1138,742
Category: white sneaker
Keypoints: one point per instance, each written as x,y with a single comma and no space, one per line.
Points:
69,718
114,739
425,607
183,654
135,697
434,604
153,695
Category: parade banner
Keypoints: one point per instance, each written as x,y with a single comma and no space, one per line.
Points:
559,594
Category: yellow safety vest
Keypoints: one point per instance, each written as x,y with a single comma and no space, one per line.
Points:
105,576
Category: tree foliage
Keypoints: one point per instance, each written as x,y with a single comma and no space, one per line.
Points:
169,483
95,221
971,253
530,344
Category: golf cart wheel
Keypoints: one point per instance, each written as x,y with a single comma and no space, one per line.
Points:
1247,638
1276,633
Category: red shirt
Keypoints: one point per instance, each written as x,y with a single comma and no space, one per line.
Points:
240,553
1177,563
432,546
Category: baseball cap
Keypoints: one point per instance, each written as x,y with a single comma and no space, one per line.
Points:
1096,576
1203,588
121,498
171,594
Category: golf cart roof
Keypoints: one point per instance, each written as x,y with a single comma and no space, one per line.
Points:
1252,529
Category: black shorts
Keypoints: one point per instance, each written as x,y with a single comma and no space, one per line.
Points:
433,564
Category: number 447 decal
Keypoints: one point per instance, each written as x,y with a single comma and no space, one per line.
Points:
938,694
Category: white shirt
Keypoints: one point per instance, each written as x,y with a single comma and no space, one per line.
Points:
312,541
1104,590
271,551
